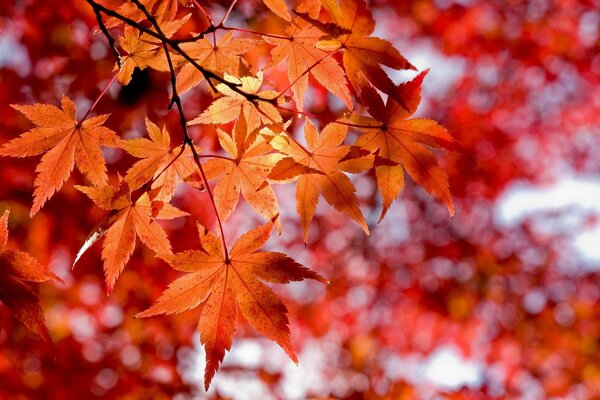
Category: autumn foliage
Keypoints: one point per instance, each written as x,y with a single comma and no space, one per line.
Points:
207,134
261,149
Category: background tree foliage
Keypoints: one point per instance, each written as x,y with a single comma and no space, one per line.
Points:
513,82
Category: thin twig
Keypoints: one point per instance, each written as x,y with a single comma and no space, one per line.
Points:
102,93
306,72
228,12
111,40
206,14
174,44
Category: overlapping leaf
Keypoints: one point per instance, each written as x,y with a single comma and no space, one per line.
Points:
127,220
18,270
279,8
303,57
247,170
221,57
65,142
162,10
363,55
143,50
232,104
399,144
158,161
224,286
323,156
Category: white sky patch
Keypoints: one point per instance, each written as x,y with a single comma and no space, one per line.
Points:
447,369
444,71
262,353
443,369
575,197
13,55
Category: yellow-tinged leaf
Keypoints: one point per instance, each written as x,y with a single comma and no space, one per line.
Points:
159,162
303,57
143,50
162,10
287,169
323,155
222,56
279,8
245,172
234,104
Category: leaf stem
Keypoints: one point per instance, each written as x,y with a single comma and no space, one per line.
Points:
228,12
111,40
156,176
283,129
358,125
296,111
216,156
102,93
305,73
231,28
203,10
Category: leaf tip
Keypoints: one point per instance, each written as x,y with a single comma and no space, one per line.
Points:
56,278
109,288
34,210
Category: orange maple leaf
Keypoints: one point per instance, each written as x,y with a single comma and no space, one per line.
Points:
143,50
157,157
222,286
279,8
324,153
128,218
230,106
17,271
363,54
162,10
66,143
399,143
245,173
302,56
223,56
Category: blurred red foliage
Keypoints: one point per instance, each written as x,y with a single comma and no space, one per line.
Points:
511,300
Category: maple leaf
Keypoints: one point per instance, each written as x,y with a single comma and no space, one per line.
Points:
159,161
363,54
244,173
230,106
221,57
144,50
323,155
65,143
279,8
402,144
222,286
18,270
162,10
302,56
128,218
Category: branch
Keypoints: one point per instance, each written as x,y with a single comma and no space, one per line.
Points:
102,93
174,44
187,140
111,40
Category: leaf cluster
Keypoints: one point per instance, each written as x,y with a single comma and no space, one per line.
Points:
322,42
